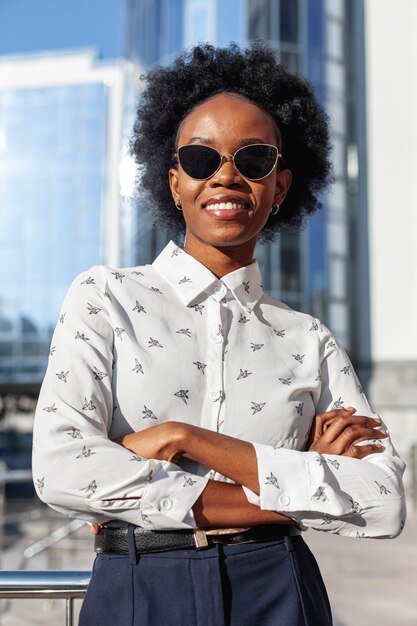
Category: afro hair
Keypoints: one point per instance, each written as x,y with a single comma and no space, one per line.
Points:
253,73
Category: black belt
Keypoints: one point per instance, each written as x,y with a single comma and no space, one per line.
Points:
115,540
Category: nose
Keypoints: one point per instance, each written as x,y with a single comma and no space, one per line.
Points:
227,174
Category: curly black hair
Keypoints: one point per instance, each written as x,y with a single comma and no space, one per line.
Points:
254,74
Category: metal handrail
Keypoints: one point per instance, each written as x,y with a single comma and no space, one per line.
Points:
46,584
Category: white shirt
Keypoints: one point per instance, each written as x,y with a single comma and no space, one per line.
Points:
169,341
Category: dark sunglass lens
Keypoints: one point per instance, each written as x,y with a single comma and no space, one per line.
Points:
199,162
256,162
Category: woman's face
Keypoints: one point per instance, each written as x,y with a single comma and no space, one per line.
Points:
227,123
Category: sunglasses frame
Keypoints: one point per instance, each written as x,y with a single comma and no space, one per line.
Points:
229,158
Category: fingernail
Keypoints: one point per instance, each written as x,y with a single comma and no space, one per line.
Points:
377,419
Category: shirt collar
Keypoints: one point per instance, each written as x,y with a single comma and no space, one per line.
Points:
189,278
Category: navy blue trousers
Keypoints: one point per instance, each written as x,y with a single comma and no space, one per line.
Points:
270,583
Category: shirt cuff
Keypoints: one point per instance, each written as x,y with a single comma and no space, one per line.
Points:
168,499
292,481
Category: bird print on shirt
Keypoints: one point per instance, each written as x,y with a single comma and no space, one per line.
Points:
279,333
243,374
93,310
89,281
246,285
148,414
257,406
75,433
118,276
198,308
272,480
183,395
51,409
88,405
185,280
40,483
338,404
285,381
136,457
138,367
243,319
184,331
299,408
52,351
86,452
91,488
299,357
119,332
355,506
200,366
382,489
220,398
62,317
97,374
154,343
139,308
137,273
63,376
314,326
156,290
256,346
81,336
346,370
188,482
176,252
320,495
331,344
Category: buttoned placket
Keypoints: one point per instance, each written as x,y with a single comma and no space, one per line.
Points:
213,406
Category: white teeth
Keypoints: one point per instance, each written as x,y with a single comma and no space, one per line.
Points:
225,206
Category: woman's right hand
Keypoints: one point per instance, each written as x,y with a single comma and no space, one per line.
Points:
339,431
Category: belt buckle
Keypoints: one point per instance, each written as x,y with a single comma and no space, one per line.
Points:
200,535
200,538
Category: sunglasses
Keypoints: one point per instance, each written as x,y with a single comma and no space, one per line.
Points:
254,162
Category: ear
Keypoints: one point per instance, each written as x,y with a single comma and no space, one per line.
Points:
173,183
283,182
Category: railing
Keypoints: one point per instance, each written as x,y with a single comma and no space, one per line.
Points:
46,584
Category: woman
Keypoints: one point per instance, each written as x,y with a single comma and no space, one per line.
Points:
197,422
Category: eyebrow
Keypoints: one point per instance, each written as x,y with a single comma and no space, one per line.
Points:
243,142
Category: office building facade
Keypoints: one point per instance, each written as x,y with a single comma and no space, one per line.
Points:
60,140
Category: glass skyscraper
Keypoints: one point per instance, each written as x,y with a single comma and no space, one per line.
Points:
57,116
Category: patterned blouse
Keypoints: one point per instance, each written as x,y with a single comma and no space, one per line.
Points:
169,341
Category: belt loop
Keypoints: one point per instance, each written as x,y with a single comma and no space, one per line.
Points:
133,557
289,546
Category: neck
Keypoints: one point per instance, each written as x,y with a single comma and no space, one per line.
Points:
220,260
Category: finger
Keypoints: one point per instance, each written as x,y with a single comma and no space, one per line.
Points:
95,529
359,452
324,420
352,435
342,423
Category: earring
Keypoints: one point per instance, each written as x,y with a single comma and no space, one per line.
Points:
178,205
274,209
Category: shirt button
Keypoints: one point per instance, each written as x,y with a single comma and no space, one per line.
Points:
166,503
284,500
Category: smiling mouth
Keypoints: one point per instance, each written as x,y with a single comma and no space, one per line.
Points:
227,206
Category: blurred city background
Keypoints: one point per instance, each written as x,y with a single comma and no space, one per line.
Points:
69,84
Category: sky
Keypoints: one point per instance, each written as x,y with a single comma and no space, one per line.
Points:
37,25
